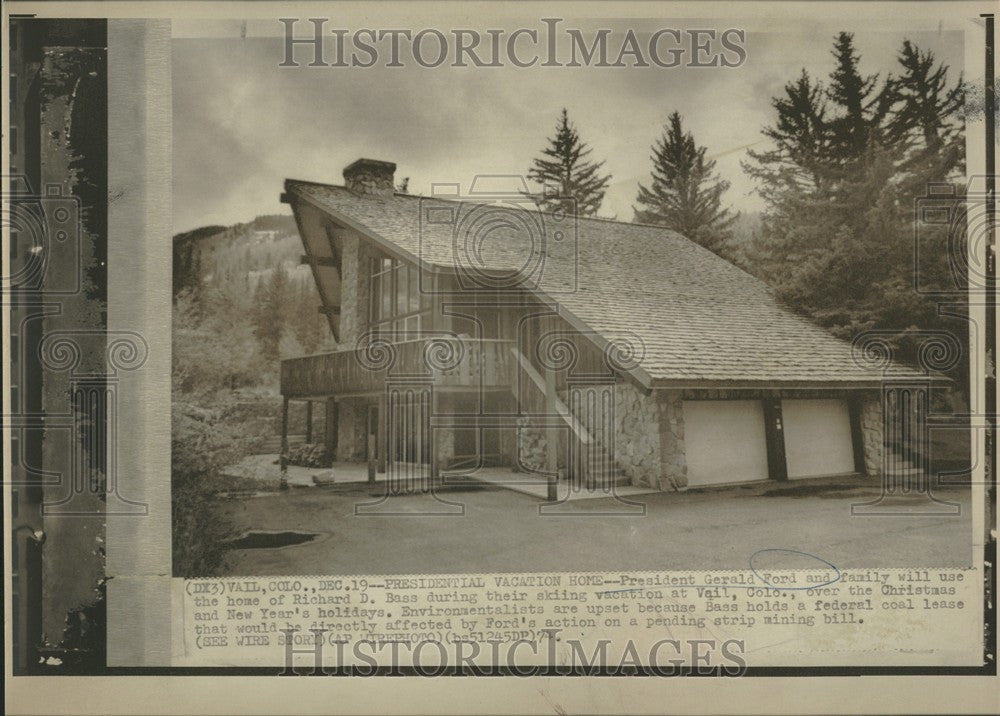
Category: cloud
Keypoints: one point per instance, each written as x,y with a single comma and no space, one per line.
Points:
242,124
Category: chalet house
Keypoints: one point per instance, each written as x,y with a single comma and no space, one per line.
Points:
479,333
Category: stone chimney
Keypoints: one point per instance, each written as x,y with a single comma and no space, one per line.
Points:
370,176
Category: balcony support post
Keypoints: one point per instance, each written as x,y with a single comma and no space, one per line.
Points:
380,428
331,427
283,460
551,433
432,440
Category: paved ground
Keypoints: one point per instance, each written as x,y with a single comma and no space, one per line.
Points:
502,531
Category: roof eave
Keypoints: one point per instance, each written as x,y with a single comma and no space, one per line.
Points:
853,384
389,247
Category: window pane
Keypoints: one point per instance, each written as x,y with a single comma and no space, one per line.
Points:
402,290
386,293
414,289
376,282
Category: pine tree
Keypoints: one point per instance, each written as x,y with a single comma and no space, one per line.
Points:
841,185
864,104
685,195
569,181
302,315
268,311
929,118
801,140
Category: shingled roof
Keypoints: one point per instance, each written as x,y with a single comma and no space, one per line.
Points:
700,319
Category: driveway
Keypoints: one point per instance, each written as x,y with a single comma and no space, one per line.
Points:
502,531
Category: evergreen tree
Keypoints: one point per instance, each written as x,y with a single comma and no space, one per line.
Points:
685,195
864,104
801,142
270,300
929,118
841,183
569,181
307,322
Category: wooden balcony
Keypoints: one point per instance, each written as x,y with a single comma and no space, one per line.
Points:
449,362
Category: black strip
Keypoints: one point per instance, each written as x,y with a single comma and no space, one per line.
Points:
857,435
777,463
30,40
990,551
305,669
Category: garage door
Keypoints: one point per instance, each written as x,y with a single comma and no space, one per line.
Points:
724,441
817,437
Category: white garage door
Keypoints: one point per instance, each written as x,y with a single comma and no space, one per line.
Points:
817,437
724,441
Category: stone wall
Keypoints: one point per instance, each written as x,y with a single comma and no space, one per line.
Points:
532,445
673,461
870,414
648,438
640,449
371,183
637,435
370,176
531,440
355,281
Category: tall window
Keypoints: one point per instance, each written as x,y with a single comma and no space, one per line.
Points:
397,306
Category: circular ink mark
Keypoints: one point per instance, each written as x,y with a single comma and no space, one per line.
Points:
800,554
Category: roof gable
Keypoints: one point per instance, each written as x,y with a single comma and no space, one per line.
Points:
698,317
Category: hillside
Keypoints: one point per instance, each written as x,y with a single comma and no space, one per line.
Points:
243,253
242,290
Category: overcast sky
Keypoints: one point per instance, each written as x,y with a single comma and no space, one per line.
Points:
242,124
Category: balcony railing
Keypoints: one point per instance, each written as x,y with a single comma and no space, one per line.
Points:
447,361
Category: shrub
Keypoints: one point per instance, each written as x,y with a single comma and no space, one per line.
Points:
203,441
309,455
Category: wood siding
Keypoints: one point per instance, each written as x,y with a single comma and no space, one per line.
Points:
447,362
